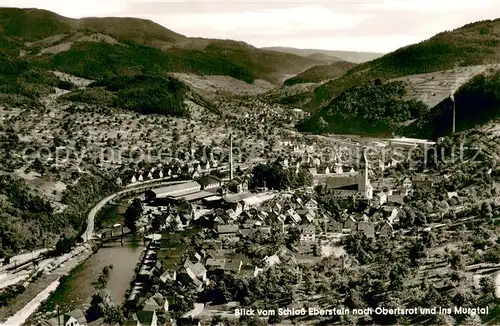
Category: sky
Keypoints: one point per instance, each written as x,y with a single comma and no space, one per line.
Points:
349,25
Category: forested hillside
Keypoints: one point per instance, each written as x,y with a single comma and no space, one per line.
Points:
472,44
320,73
105,47
28,220
21,84
374,108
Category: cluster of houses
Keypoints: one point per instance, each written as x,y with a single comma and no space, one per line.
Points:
193,168
72,318
202,224
218,225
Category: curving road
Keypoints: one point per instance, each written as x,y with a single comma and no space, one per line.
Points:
87,235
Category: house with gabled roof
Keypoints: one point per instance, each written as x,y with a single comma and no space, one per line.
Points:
422,181
366,228
72,318
396,199
197,270
209,182
245,233
332,226
270,261
293,217
350,223
233,265
379,199
248,270
156,303
308,233
452,194
227,230
311,204
262,216
264,229
305,259
232,214
145,318
215,263
276,208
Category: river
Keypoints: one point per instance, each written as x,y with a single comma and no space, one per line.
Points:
76,290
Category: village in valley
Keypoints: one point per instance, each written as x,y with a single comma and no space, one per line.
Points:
300,233
254,216
209,182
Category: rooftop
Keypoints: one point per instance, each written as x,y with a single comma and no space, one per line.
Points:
238,197
208,180
195,195
167,191
227,228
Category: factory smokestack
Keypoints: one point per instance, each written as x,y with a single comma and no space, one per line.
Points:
452,98
230,157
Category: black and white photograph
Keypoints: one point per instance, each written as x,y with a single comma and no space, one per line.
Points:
249,162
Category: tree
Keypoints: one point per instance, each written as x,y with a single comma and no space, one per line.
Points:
132,214
457,261
232,186
472,320
445,320
486,210
102,280
274,176
251,321
157,222
420,219
38,166
113,315
417,252
293,235
487,285
316,250
322,124
63,245
429,239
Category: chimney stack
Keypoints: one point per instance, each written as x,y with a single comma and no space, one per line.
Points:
230,157
453,103
58,318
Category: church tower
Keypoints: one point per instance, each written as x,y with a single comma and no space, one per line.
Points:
364,185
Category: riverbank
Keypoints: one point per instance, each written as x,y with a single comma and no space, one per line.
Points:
36,293
76,290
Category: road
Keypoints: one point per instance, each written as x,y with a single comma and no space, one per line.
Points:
497,284
88,234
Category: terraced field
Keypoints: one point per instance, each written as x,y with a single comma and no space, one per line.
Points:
433,88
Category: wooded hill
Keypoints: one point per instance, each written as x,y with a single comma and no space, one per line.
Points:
473,44
320,73
106,47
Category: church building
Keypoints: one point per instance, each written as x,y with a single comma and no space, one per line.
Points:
347,185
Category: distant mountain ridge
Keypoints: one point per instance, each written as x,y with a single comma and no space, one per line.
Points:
106,47
349,56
